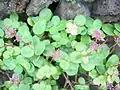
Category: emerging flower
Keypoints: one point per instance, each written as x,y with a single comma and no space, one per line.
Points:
10,33
97,34
117,40
71,28
56,54
95,46
15,79
18,38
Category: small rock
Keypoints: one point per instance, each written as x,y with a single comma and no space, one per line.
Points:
106,7
35,6
68,10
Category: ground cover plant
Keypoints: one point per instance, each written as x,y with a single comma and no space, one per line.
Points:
38,53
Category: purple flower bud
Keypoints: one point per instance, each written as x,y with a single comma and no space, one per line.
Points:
18,38
97,34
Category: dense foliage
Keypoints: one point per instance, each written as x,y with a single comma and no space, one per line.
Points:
45,48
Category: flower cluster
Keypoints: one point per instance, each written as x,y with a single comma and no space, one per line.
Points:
97,34
56,54
95,46
10,33
71,28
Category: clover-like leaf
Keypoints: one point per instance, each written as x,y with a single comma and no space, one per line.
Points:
1,33
89,22
14,16
97,24
81,80
64,64
45,14
80,20
112,61
24,30
100,80
55,20
39,27
108,29
24,87
39,46
27,51
88,66
1,42
117,26
7,22
75,57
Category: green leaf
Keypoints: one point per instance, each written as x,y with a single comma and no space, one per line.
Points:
16,50
45,14
15,25
93,73
53,30
85,39
88,66
30,21
7,22
100,80
108,29
37,61
112,61
101,69
48,87
56,37
89,22
39,46
55,20
117,26
80,46
27,51
81,87
24,30
1,33
97,24
82,30
62,25
64,64
14,16
80,20
81,80
48,50
1,42
14,87
39,27
36,86
24,87
116,32
27,80
73,69
18,69
75,57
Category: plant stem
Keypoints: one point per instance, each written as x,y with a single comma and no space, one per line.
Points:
67,81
